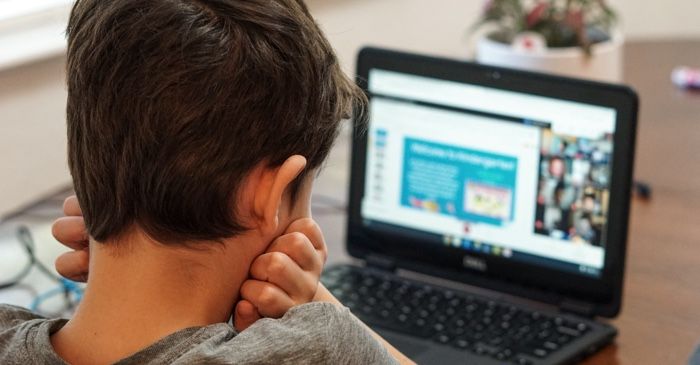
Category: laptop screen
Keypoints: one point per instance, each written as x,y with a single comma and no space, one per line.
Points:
489,171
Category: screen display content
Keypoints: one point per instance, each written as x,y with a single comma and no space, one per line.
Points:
496,172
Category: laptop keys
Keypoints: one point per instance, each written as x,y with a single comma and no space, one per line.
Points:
465,322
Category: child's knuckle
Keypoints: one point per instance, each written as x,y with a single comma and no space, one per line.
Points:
297,237
297,244
308,224
267,296
277,263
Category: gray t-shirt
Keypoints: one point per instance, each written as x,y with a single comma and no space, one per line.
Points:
313,333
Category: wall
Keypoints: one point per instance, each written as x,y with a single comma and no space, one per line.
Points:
32,132
441,26
32,97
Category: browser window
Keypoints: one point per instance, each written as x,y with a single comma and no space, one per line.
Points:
489,171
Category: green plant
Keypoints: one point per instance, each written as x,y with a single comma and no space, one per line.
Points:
562,23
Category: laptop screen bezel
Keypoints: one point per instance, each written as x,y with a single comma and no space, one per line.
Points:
603,294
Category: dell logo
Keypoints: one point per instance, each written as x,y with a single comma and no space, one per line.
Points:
474,263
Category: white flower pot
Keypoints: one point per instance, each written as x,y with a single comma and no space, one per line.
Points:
604,64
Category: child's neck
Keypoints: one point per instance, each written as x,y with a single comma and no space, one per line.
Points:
138,295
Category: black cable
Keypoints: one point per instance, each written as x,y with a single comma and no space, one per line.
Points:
18,278
24,237
25,270
642,189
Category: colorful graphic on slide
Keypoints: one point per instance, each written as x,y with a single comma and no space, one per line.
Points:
471,185
488,201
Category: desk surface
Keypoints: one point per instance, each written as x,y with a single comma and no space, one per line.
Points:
660,319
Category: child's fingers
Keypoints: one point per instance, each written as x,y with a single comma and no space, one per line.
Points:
298,247
280,270
270,300
71,207
310,229
71,232
245,315
73,265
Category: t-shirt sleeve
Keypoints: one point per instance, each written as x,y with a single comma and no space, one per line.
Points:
313,333
11,316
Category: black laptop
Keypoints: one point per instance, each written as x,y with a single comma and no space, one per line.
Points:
488,211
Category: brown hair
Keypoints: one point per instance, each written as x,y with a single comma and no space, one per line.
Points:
171,103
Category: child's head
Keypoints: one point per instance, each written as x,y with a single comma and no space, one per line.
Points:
173,103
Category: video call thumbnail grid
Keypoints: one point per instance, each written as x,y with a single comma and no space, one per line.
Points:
573,189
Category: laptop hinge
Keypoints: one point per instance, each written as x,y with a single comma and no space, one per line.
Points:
577,307
380,262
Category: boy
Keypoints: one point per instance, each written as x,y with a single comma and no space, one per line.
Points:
194,131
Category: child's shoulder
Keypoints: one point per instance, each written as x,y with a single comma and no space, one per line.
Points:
24,337
312,333
11,316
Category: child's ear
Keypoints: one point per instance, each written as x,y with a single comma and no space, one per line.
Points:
269,192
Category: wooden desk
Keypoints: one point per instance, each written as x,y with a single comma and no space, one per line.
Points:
660,319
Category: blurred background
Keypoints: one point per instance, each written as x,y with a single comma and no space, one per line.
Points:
32,91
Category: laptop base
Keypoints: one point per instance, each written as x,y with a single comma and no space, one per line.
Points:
437,325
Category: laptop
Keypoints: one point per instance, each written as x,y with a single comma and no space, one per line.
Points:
488,211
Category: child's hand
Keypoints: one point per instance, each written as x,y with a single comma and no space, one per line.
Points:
70,231
285,276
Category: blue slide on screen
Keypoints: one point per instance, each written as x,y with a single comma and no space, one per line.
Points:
473,186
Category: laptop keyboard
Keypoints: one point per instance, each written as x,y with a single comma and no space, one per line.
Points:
466,322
